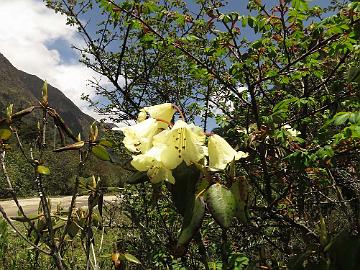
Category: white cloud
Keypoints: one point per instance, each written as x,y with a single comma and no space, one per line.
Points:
26,28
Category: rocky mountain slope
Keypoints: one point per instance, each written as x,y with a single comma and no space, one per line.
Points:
23,90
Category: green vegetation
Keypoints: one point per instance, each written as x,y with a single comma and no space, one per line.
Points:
289,98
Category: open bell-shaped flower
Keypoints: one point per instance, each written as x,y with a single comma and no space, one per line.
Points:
163,112
152,164
184,143
221,153
138,138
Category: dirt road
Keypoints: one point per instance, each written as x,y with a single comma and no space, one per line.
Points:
31,205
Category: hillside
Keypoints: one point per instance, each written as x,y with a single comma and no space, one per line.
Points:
23,90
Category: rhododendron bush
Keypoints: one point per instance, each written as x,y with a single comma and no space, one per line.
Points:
160,147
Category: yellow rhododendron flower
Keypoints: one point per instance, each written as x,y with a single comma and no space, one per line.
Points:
161,148
221,153
138,138
163,112
150,162
184,143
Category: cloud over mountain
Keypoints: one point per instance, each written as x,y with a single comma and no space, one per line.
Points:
37,41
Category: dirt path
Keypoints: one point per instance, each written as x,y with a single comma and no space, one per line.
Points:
31,205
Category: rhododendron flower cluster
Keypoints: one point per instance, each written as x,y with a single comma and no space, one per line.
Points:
159,146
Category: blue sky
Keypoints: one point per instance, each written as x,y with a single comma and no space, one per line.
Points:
38,41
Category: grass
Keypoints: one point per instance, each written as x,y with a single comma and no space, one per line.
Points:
15,253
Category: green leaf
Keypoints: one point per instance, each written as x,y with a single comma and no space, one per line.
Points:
192,225
340,118
44,94
284,104
240,191
299,4
9,111
239,261
225,18
354,75
192,38
5,134
150,7
325,152
73,229
354,117
59,224
137,178
183,192
345,251
222,205
180,19
43,170
100,152
129,257
251,21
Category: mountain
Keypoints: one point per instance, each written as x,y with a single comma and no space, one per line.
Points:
24,90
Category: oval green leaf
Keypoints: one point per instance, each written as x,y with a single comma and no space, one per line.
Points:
5,134
43,170
189,229
240,191
222,204
340,118
129,257
100,152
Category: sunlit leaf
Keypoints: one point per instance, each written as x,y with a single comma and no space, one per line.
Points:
100,152
129,257
5,134
43,170
193,224
222,205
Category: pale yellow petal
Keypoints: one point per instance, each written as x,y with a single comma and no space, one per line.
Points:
180,124
194,151
198,132
162,137
221,153
151,162
183,145
171,158
138,138
169,155
141,116
162,112
241,154
142,162
159,174
291,131
169,177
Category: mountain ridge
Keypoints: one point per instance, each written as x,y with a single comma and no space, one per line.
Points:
23,90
